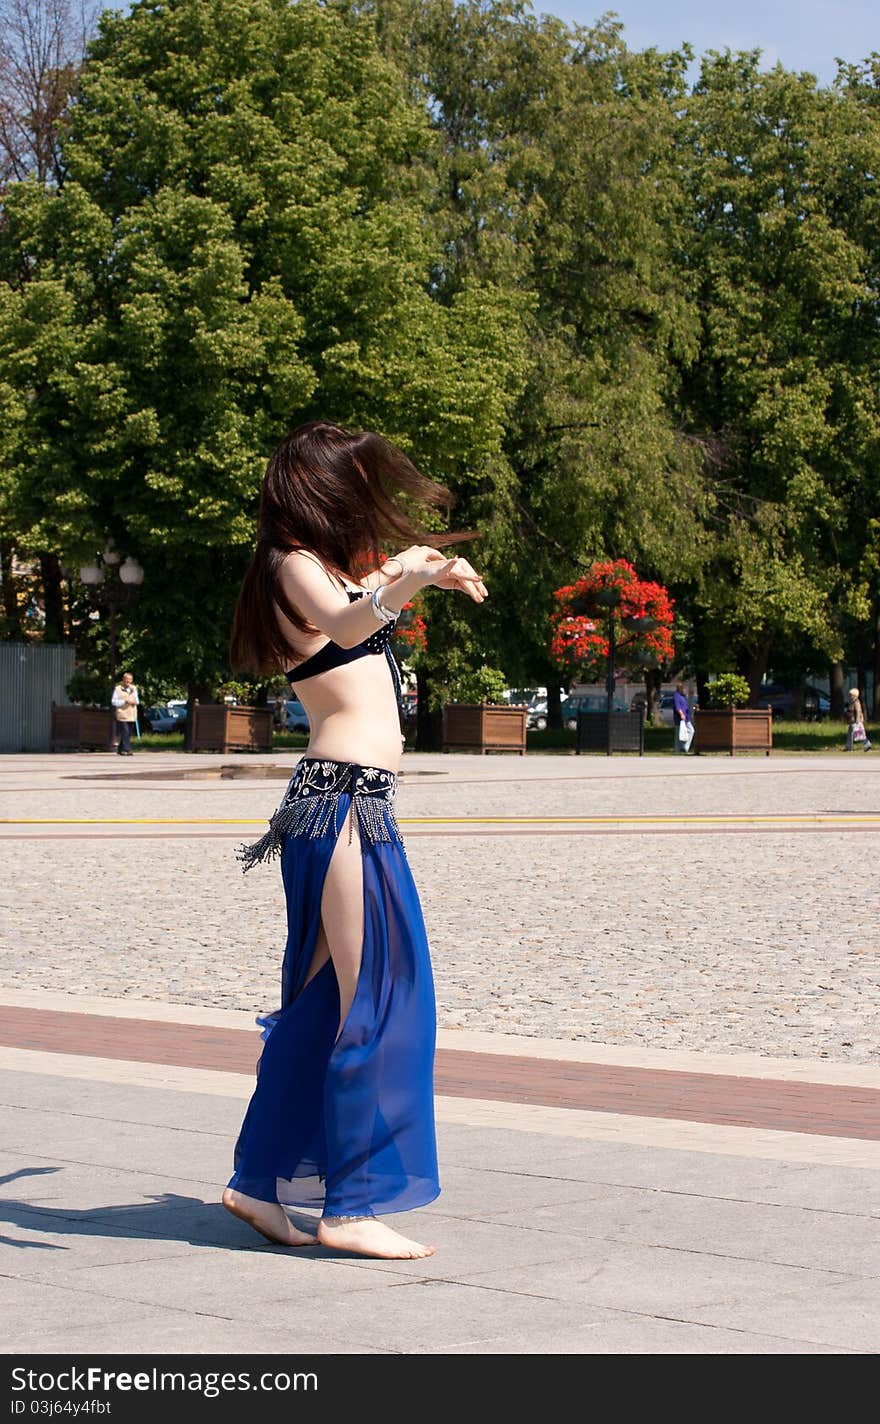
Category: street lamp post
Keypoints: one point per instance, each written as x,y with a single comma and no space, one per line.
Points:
610,598
107,593
645,660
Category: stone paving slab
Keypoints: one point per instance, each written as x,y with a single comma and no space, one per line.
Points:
246,1283
778,1235
168,1151
623,1334
143,1330
692,1285
853,1191
842,1313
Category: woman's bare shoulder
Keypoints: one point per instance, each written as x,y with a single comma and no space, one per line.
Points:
304,568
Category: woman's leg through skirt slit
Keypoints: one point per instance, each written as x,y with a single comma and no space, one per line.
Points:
342,1115
341,927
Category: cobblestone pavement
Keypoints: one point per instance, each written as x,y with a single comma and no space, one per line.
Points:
749,939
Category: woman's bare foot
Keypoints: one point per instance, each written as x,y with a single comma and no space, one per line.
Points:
366,1236
269,1218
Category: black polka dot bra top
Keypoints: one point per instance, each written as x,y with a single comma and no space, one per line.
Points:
335,657
331,655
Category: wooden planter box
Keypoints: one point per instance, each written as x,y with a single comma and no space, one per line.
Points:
478,727
82,729
733,730
219,728
627,732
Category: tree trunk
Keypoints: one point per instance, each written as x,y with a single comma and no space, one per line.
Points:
701,664
429,721
864,659
836,684
554,702
755,669
53,603
876,695
11,610
653,681
861,679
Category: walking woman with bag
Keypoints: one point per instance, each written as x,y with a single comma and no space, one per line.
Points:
342,1116
856,733
682,723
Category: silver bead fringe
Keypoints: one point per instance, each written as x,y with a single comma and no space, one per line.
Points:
310,808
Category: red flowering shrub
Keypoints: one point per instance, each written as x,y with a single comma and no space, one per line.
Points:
579,642
411,633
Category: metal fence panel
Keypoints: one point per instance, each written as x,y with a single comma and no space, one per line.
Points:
627,732
32,677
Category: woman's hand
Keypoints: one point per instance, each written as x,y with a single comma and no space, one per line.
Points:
463,576
430,566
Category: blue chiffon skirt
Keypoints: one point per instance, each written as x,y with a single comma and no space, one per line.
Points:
344,1123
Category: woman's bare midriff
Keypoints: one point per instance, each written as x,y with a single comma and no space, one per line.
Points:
353,714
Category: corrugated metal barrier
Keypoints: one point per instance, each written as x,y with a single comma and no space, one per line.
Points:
32,677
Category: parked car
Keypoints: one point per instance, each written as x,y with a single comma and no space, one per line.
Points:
666,708
785,701
162,719
536,720
296,716
525,696
587,702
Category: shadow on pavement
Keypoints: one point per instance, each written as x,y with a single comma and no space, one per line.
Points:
166,1217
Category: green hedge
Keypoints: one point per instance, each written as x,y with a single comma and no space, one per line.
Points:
827,736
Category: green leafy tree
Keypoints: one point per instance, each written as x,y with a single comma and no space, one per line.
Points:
240,244
784,396
41,47
557,180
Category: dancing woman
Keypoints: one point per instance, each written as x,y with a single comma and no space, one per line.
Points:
342,1115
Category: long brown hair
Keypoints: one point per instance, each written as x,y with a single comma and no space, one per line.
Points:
334,492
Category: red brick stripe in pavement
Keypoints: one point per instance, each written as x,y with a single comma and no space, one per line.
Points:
818,1108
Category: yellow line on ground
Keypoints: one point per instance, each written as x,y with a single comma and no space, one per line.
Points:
626,820
134,821
818,818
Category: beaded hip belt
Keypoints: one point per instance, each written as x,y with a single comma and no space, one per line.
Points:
310,806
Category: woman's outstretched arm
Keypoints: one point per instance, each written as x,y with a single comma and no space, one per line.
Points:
323,601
